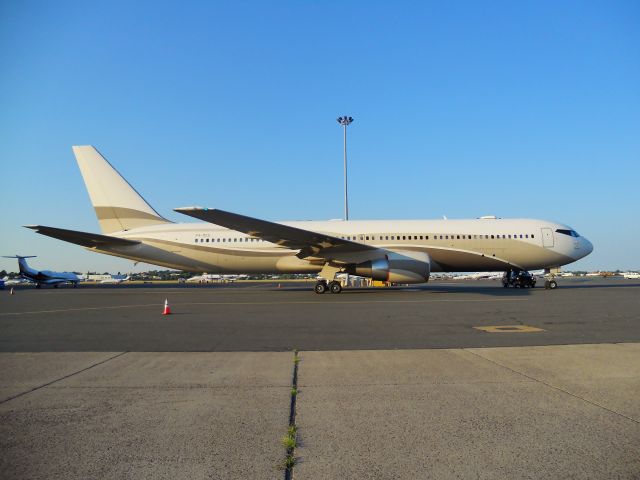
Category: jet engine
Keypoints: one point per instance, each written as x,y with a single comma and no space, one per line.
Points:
396,267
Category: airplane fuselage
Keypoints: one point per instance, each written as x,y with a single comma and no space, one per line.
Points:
487,244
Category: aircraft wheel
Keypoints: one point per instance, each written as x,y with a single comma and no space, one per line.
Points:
55,286
553,284
335,287
320,287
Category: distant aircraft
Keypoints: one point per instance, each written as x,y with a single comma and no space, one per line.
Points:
115,279
44,277
209,278
204,278
10,282
479,276
397,251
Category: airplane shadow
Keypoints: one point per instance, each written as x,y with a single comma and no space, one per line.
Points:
492,290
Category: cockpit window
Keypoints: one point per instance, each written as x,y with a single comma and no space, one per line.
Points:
571,233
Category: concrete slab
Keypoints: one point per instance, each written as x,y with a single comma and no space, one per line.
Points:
206,415
452,415
607,374
21,372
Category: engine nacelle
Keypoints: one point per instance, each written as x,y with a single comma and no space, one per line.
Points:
396,267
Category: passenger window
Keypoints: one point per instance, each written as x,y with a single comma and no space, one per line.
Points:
367,237
526,236
532,235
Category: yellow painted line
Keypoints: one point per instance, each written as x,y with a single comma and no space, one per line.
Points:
318,302
510,329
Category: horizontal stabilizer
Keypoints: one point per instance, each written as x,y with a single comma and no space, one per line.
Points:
82,238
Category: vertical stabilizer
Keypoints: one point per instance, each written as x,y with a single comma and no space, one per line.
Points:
118,206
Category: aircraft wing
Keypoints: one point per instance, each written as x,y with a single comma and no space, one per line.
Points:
310,244
82,238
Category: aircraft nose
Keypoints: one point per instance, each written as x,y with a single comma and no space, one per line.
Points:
587,247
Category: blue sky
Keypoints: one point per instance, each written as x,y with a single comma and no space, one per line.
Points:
518,109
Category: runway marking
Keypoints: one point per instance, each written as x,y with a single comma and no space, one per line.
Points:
111,307
510,329
310,302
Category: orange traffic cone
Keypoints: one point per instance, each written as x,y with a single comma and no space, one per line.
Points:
167,310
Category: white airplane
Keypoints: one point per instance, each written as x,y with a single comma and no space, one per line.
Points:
44,277
399,251
479,276
205,278
10,282
209,278
115,279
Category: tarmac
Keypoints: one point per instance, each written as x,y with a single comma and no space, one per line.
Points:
451,380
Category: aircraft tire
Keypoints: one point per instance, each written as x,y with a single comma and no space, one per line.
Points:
553,284
335,287
320,288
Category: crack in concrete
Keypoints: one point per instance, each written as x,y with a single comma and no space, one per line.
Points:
290,456
61,378
560,389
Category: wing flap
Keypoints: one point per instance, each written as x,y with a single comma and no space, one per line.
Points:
91,240
310,244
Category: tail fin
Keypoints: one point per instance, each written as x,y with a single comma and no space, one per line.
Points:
118,206
22,263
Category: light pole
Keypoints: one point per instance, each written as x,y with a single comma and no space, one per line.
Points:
344,121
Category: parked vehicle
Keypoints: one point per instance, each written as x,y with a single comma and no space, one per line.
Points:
518,279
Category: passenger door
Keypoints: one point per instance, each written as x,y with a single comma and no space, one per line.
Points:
547,237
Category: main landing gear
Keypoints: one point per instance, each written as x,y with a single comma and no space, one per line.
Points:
333,287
